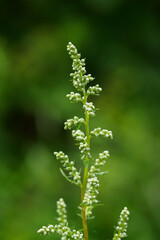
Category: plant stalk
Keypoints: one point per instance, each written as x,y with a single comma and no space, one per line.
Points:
84,217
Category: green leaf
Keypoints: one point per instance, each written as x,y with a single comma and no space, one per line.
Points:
67,178
79,125
90,217
78,214
101,173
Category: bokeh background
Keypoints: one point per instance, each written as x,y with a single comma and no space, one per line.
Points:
121,42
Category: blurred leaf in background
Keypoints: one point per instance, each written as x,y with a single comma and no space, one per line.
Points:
121,43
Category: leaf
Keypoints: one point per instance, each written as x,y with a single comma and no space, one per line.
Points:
90,217
101,173
67,178
79,125
78,214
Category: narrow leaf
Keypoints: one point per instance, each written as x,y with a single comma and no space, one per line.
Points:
66,177
101,173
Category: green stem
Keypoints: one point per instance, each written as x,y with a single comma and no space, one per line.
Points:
83,188
84,220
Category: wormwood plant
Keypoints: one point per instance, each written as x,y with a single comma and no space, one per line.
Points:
87,181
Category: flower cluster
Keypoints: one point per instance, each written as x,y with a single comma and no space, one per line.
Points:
98,163
73,122
102,132
74,97
85,150
65,232
83,145
78,135
77,235
46,230
61,228
91,191
94,90
90,108
79,78
103,156
69,166
61,210
121,229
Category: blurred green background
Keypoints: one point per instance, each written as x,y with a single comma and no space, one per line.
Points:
121,42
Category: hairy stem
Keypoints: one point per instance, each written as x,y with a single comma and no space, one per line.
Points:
84,218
